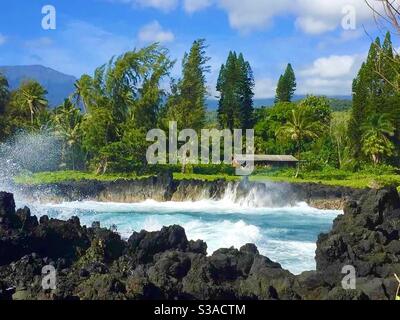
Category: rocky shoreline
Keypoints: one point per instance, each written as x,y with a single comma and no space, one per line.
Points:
165,188
95,263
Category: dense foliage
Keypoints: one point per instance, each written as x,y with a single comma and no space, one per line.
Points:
102,126
235,85
376,107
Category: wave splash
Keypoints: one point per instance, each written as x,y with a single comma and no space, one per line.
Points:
284,234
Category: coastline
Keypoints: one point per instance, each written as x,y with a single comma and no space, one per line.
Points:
94,263
164,188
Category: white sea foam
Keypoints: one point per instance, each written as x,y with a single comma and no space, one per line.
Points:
286,235
210,206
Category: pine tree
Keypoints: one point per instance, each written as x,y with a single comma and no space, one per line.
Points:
391,97
246,89
4,93
374,93
286,86
187,104
235,84
360,95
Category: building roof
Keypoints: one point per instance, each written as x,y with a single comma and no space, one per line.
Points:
269,158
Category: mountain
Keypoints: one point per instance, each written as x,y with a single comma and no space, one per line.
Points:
58,85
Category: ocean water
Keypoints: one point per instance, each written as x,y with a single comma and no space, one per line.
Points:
285,234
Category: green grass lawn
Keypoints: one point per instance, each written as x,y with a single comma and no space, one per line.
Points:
62,176
357,182
354,180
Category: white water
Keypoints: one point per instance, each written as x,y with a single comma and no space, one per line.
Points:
286,235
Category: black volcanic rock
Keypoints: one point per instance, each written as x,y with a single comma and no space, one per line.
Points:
144,245
95,263
366,237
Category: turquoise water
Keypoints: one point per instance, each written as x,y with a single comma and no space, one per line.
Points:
285,235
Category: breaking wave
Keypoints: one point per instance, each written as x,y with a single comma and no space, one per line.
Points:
286,234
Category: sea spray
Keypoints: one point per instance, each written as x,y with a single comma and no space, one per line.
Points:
26,153
265,194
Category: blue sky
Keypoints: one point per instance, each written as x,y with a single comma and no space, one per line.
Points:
270,33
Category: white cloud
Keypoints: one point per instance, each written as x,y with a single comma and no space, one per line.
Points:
196,5
253,14
153,32
331,67
3,39
314,26
331,75
316,16
264,88
311,16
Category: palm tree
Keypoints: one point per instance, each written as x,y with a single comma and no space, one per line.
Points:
33,97
298,129
83,95
67,123
375,139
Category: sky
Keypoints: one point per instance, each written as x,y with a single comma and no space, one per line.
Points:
325,40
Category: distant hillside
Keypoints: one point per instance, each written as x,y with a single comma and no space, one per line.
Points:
58,85
338,103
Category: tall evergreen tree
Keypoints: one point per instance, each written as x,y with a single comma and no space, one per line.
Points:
286,86
374,93
186,105
4,93
391,101
246,89
236,84
360,94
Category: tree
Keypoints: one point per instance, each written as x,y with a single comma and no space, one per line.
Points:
26,102
33,97
374,93
98,130
122,82
299,128
146,109
318,109
4,97
67,124
268,122
123,95
339,135
246,86
4,93
235,84
186,105
286,86
375,140
83,94
357,116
